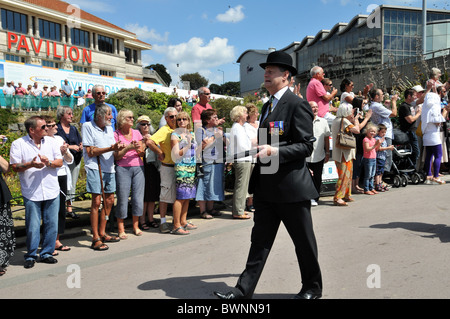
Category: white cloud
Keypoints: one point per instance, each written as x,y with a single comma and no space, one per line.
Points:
232,15
196,56
143,33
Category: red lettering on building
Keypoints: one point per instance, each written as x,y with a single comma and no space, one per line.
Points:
12,38
71,50
73,53
23,44
87,56
55,54
37,50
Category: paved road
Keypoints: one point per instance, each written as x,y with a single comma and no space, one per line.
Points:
391,245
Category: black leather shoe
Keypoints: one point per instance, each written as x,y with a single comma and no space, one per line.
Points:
308,294
227,295
29,263
72,215
49,260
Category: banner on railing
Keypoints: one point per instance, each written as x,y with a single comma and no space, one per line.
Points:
29,74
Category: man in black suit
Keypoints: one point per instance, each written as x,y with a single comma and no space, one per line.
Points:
281,182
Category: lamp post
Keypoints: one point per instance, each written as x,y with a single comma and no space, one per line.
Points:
424,26
178,69
223,76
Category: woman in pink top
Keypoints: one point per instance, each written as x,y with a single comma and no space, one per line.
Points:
129,172
370,146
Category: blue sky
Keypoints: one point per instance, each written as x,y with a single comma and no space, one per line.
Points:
206,36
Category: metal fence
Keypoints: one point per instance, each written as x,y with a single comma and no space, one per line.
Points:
33,103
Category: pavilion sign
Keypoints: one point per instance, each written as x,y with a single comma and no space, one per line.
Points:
50,48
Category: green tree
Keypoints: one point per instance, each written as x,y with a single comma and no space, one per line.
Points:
162,71
231,88
215,88
196,80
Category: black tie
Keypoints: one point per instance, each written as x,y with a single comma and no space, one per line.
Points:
270,104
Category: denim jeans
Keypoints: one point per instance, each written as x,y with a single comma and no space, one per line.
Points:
370,165
414,141
33,210
130,178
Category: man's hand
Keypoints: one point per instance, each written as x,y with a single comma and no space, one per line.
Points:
266,151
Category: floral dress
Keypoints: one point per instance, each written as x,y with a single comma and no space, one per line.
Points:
186,182
7,236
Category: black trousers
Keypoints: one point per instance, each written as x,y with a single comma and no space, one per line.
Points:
62,180
317,169
297,219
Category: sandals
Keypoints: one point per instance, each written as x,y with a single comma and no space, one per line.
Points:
144,226
189,226
110,239
62,248
180,231
153,224
438,181
97,244
123,236
214,213
244,216
340,203
206,215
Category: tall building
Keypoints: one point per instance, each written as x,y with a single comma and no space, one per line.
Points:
390,34
56,34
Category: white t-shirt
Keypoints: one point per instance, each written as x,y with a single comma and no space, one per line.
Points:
239,143
345,95
95,136
321,130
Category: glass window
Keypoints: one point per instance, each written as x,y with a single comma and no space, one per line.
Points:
14,21
80,37
439,42
401,17
387,42
387,28
49,30
387,16
127,54
407,30
394,29
105,44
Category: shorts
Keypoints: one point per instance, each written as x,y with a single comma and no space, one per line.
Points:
168,192
93,182
380,166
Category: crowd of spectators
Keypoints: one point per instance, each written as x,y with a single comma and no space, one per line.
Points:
33,96
368,116
184,158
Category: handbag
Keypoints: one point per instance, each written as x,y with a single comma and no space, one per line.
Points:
344,140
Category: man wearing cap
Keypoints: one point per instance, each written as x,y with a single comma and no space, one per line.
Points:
283,194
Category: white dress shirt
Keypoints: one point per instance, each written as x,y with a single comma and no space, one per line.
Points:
37,184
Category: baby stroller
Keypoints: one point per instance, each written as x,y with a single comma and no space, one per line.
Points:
403,170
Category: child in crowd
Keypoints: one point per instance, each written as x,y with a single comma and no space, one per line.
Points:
370,146
381,159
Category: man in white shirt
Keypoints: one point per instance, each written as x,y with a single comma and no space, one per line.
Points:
99,146
382,115
36,158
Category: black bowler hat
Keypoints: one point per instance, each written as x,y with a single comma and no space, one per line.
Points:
282,59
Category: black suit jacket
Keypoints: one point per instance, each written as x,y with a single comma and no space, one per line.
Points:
292,182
